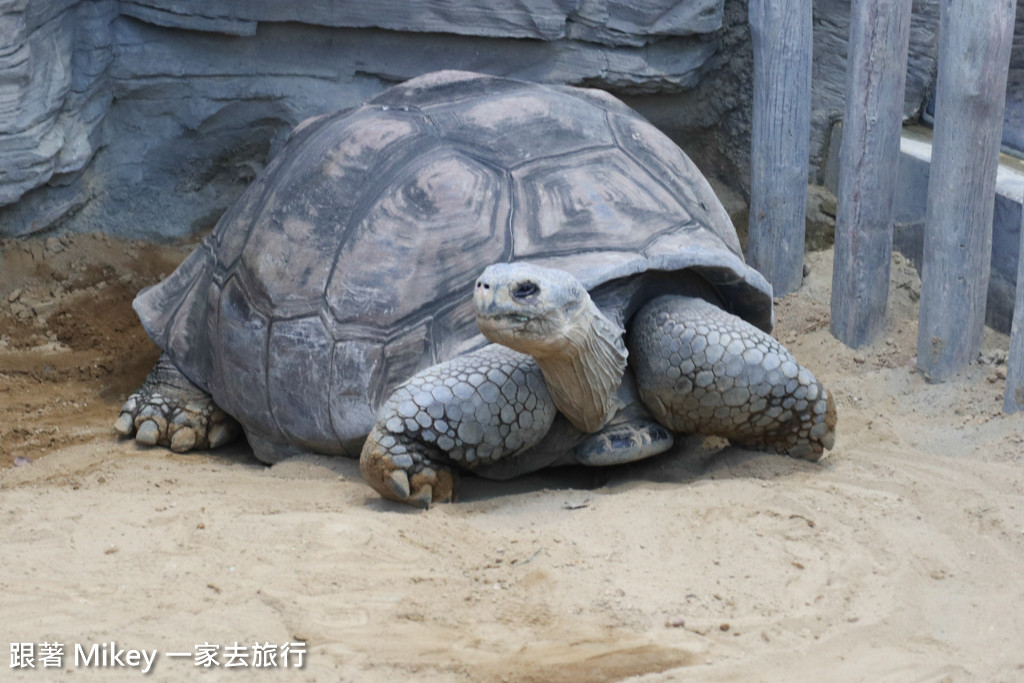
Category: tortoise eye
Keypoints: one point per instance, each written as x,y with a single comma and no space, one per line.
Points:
525,289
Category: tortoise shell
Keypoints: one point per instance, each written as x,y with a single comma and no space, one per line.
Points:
348,264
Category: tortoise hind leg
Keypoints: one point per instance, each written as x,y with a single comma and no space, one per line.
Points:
701,370
169,410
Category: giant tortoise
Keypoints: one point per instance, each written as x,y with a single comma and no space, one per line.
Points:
341,296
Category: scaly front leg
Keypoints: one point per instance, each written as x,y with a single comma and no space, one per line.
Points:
472,410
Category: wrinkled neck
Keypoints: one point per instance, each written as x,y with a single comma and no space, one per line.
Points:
585,374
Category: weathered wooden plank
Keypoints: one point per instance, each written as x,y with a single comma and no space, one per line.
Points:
869,161
1013,399
974,55
782,36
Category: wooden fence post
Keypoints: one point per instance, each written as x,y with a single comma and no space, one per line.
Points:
974,55
1013,399
868,165
782,35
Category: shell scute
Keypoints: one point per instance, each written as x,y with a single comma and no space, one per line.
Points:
421,242
299,382
241,352
317,192
516,127
586,201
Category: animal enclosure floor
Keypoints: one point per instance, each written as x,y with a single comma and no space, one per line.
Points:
898,558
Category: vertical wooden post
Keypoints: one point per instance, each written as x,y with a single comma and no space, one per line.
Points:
974,56
869,160
782,35
1013,399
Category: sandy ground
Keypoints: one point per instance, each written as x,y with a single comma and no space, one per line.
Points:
898,558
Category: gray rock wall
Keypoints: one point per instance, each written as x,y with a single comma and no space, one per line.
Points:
148,117
54,57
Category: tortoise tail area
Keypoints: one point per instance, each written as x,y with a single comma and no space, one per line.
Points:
177,314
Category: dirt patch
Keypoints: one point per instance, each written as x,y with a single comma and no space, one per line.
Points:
71,347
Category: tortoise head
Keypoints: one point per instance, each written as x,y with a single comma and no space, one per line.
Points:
529,308
548,314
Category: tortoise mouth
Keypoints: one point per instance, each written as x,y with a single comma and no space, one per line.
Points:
535,335
505,326
510,319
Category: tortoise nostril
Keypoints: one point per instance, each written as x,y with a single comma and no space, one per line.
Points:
525,289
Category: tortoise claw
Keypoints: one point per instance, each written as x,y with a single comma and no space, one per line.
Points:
125,425
148,433
422,498
398,482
